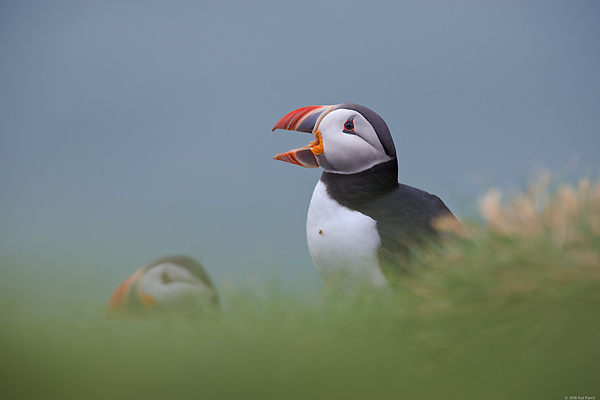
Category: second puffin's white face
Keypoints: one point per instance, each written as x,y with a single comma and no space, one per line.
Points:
350,144
174,287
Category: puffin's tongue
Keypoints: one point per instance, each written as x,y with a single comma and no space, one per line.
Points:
317,144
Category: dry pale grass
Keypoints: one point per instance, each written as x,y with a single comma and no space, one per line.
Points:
537,244
562,215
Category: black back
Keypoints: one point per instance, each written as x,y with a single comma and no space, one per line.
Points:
405,215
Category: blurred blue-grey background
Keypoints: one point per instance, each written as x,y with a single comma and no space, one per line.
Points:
130,130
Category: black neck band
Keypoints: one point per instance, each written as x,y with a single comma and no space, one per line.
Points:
356,190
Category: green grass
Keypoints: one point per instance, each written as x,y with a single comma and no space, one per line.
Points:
515,316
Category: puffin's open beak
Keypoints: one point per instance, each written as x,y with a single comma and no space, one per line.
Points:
128,300
305,119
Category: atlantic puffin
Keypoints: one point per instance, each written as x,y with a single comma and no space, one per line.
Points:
361,222
175,285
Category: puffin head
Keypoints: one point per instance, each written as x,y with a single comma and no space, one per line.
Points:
349,138
172,285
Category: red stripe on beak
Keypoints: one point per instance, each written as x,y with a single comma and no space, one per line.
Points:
302,119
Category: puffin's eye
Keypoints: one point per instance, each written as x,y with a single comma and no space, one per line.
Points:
349,125
165,278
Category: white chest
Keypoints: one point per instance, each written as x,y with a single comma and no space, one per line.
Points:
343,243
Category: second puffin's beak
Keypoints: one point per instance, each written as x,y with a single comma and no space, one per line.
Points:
128,300
305,119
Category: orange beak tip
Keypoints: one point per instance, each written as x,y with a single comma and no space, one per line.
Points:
119,297
303,157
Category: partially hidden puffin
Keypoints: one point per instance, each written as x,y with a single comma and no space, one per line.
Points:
175,285
361,221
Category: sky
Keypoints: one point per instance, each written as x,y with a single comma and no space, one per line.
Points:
130,130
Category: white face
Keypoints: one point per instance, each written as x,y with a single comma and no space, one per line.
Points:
346,150
174,288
